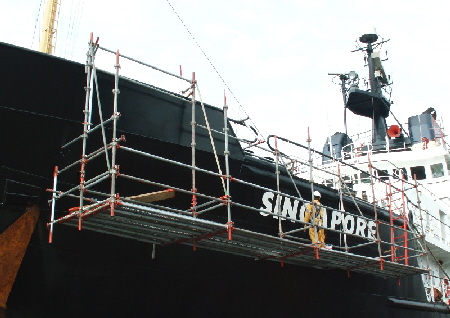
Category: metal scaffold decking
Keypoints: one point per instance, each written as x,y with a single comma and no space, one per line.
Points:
157,226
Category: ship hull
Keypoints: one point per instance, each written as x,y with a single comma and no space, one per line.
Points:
91,274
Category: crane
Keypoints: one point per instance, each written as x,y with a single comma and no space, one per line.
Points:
49,23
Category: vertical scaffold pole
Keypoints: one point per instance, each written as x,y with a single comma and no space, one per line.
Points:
113,170
377,223
86,123
391,220
193,124
277,173
311,182
341,203
52,216
419,207
405,224
227,167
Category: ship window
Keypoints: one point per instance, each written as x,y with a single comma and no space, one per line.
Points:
348,182
437,170
419,172
447,161
365,177
383,174
399,172
443,219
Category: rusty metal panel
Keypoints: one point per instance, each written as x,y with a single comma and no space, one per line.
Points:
13,244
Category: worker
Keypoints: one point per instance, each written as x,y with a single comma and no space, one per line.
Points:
314,215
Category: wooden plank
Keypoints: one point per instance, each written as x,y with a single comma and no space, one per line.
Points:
13,244
154,196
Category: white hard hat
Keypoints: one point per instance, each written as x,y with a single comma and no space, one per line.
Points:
317,194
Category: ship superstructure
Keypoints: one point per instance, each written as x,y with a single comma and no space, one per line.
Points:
401,168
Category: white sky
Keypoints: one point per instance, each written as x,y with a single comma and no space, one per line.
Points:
274,55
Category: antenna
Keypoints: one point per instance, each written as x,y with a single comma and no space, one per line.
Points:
379,70
350,78
371,103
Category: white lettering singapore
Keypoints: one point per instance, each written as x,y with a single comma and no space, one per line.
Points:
294,209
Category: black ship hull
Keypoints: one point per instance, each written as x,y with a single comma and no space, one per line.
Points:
92,274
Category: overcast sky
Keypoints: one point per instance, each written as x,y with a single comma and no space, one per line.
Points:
273,55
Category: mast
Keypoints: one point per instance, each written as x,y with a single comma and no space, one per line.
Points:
49,22
378,121
371,103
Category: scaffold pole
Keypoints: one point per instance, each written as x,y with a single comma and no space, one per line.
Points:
86,123
193,145
52,216
114,143
311,182
277,174
377,222
227,166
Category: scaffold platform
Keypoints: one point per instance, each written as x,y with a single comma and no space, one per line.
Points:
157,226
137,218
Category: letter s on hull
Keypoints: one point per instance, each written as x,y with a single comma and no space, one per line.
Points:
267,203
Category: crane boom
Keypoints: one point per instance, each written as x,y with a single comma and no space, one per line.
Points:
49,22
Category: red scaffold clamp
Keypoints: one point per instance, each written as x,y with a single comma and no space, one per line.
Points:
114,200
230,228
194,202
425,142
225,199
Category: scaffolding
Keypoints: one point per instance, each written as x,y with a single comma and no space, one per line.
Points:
397,211
143,218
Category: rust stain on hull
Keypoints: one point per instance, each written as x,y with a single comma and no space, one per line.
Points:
13,244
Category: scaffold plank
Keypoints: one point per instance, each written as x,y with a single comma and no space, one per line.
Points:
157,226
154,196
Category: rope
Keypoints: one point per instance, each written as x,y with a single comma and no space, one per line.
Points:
212,65
208,127
37,20
290,176
100,114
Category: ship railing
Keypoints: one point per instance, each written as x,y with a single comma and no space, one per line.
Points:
436,286
18,190
438,130
356,149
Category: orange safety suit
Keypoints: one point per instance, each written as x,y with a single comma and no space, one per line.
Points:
314,214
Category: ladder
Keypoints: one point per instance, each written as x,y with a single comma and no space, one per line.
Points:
397,212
